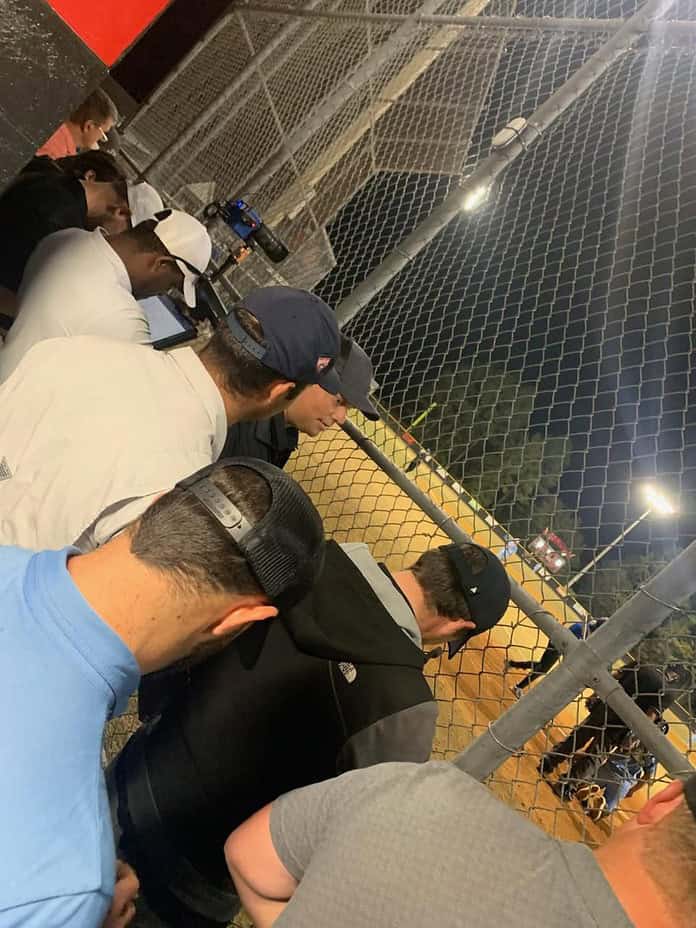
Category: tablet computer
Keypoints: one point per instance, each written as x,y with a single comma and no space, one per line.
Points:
168,326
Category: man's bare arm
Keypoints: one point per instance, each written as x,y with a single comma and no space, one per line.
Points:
263,883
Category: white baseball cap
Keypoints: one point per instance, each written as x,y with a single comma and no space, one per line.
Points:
143,202
187,241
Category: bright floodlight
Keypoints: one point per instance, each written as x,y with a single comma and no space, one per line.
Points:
658,502
474,199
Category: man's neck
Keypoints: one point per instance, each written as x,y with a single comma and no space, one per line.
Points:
235,410
120,247
621,862
75,131
413,593
128,596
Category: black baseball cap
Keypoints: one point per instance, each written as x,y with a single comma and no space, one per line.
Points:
285,548
487,592
356,377
301,339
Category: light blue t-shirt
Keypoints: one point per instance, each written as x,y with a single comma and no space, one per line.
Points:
63,673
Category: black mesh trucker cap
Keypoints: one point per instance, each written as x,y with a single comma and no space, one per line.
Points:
285,548
487,592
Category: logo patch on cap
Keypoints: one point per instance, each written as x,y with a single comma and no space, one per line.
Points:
348,670
323,364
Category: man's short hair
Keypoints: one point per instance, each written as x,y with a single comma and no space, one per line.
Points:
179,537
121,189
105,166
98,106
242,373
145,240
669,855
437,577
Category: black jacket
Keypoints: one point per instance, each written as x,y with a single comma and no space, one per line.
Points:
334,685
32,207
271,440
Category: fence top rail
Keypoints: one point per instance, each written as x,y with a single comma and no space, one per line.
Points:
663,28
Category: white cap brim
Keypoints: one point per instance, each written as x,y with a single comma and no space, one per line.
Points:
143,202
189,288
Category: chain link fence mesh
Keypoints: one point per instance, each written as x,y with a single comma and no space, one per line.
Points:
535,360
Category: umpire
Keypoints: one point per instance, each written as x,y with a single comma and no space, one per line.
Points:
651,688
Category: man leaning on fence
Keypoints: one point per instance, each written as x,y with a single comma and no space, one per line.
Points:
312,412
205,561
337,683
405,844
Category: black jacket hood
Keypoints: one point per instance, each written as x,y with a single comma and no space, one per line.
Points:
343,619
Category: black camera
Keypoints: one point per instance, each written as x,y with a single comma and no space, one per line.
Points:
247,225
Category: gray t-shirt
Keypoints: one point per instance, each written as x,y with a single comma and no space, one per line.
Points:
400,845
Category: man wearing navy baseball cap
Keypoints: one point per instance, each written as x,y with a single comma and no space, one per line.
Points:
292,332
316,409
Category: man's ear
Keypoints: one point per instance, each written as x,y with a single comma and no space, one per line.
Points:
90,175
278,390
464,624
661,804
241,616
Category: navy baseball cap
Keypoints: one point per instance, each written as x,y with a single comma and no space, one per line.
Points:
356,376
301,339
486,591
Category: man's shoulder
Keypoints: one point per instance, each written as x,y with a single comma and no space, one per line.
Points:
97,349
67,246
34,185
13,560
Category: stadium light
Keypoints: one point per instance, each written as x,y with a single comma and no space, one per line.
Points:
475,198
657,503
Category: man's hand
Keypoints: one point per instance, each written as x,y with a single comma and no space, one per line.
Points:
125,891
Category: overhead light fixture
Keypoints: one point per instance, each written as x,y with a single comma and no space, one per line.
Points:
657,501
475,198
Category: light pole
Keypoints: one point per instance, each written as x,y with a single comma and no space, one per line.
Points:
657,502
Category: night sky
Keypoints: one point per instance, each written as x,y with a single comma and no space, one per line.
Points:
578,273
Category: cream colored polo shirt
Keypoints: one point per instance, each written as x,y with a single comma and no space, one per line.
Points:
92,429
74,284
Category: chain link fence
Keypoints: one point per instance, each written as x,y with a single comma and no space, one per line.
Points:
534,356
